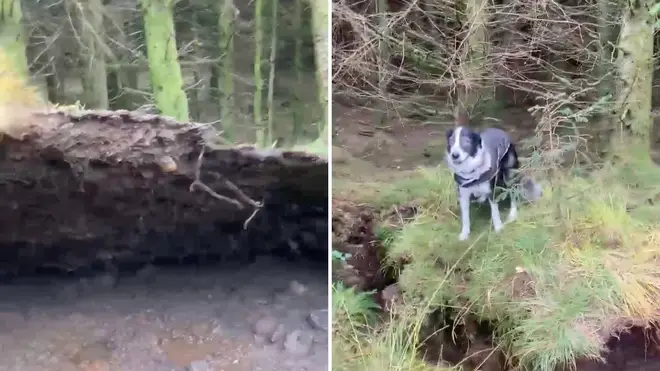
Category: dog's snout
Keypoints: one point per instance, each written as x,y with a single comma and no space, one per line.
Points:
454,155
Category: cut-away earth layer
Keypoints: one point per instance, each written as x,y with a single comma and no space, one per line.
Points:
140,187
575,269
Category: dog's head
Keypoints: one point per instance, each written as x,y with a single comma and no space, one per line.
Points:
462,143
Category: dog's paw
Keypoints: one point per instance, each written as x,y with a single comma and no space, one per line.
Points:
464,235
498,227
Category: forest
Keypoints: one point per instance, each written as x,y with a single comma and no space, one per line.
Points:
248,68
573,282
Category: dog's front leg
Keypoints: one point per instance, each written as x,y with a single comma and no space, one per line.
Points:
495,214
513,211
464,201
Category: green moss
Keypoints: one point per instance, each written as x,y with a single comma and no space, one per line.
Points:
164,68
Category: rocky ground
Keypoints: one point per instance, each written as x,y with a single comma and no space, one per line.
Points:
269,315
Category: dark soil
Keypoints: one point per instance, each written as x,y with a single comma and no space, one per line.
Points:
407,144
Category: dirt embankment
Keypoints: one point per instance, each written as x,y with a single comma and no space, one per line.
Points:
85,188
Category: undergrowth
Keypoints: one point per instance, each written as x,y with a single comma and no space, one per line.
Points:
570,271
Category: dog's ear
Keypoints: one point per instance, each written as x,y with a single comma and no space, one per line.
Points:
462,117
449,132
475,138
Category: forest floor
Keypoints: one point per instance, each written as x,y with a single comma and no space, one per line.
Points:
575,268
195,318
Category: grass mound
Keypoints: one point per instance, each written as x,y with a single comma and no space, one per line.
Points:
577,267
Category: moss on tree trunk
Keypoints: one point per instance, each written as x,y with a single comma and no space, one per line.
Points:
89,16
270,128
320,22
635,70
164,68
258,80
12,37
297,128
225,81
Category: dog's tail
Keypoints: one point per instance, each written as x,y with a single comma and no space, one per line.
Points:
531,190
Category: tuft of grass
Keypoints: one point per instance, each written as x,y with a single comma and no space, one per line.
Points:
360,343
575,263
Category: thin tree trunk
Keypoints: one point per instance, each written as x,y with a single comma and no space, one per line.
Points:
258,83
473,54
89,16
607,32
12,36
297,129
225,80
320,23
635,70
271,77
164,68
381,113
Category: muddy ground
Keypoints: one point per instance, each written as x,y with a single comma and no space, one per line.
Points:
405,143
266,316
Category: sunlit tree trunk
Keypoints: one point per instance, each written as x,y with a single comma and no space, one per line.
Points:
271,77
89,17
164,68
320,22
12,36
297,129
225,81
635,72
258,80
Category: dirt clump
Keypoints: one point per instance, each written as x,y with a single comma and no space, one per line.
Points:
353,235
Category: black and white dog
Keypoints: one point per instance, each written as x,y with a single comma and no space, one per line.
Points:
481,163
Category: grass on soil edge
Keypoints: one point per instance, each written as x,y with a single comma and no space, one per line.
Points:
576,267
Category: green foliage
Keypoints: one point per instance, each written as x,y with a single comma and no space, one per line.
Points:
340,256
349,306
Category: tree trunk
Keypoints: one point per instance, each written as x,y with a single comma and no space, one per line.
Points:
225,80
271,76
164,68
320,23
380,115
473,55
15,91
297,129
89,28
635,69
258,83
12,37
607,31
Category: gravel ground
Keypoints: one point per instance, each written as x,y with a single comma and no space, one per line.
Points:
267,316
